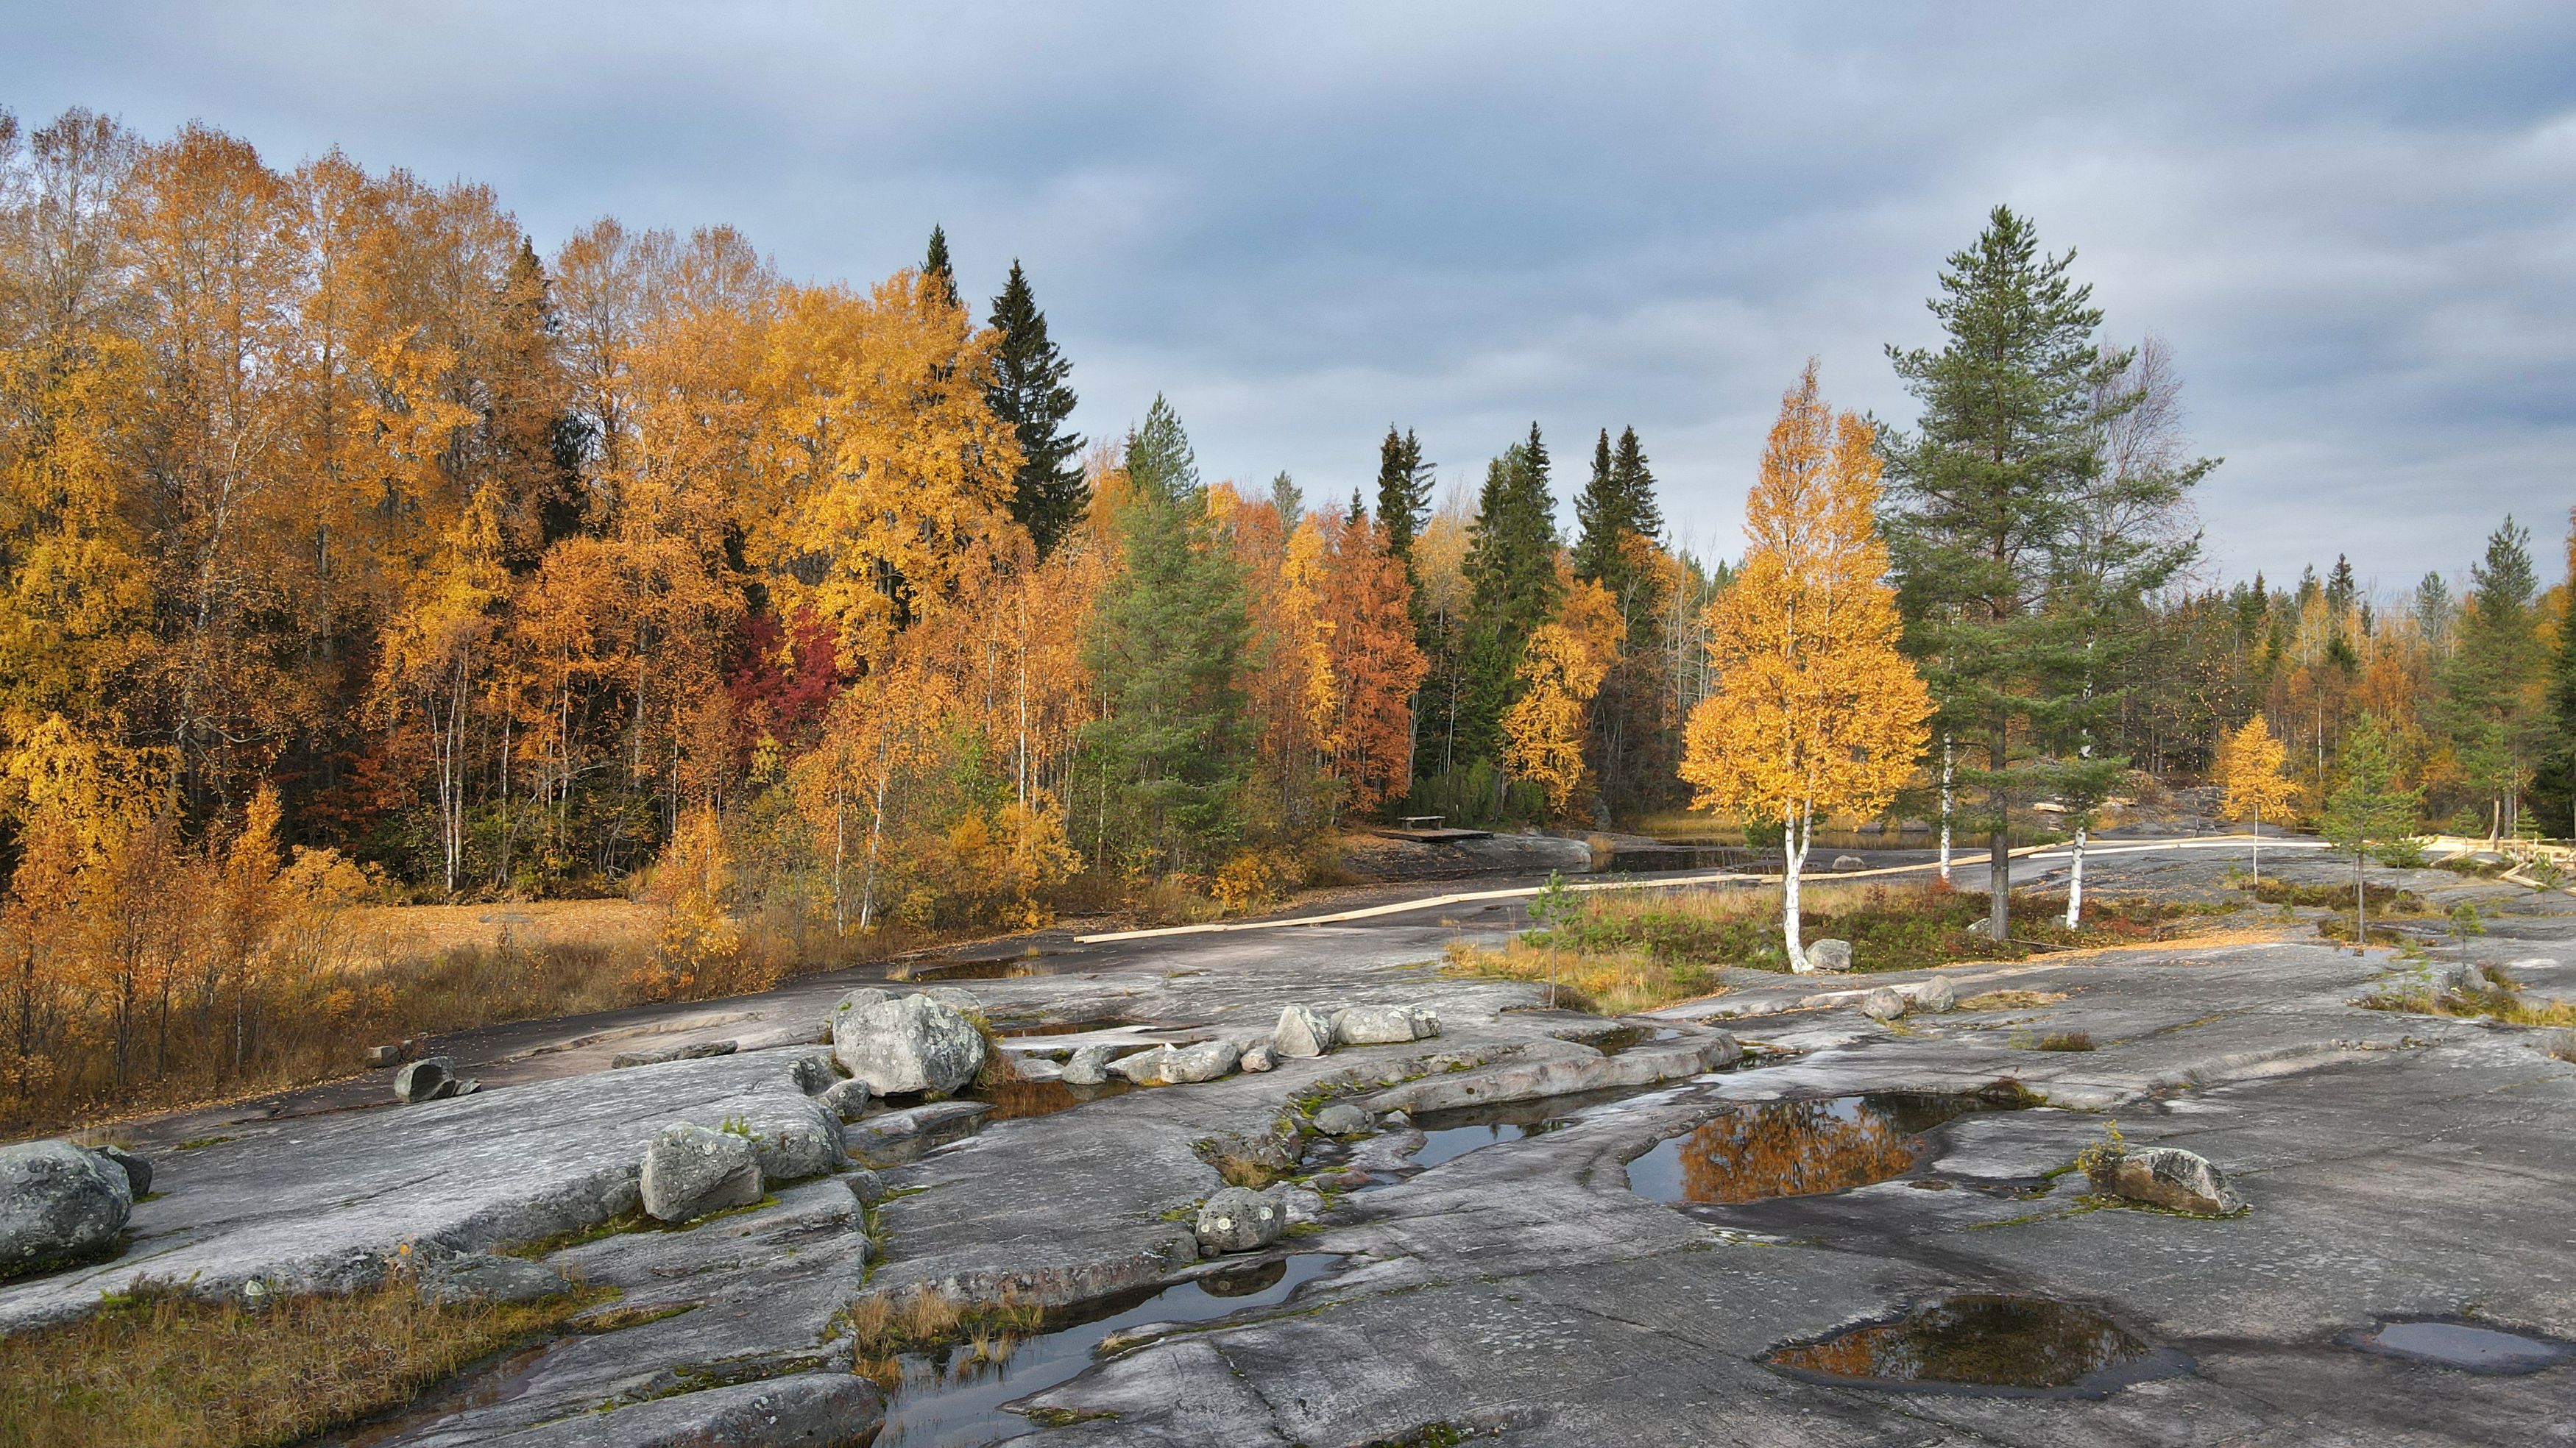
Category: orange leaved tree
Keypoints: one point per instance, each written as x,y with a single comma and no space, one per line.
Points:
1560,673
2251,771
1815,711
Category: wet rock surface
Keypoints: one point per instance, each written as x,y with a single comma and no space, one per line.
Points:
1517,1283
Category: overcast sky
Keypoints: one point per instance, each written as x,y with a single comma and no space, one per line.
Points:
2355,223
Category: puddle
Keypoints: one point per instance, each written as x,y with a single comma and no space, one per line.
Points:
1451,1142
2460,1345
1015,1098
477,1385
1761,1151
945,1406
1990,1343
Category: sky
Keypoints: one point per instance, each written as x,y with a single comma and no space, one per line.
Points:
2354,224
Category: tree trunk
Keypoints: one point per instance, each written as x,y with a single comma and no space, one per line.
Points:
1948,766
2075,885
1793,849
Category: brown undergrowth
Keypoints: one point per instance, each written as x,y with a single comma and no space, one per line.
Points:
886,1327
156,1367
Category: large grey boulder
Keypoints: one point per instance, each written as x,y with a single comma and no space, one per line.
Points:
690,1171
1885,1003
1238,1219
427,1079
1383,1025
59,1205
956,998
2169,1177
1301,1032
1830,954
796,1141
472,1277
1089,1065
907,1045
812,1072
1179,1065
138,1172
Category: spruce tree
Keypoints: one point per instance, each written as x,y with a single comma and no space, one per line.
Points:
935,269
1403,493
2495,678
1030,395
1167,645
1289,499
1618,503
1980,495
1512,588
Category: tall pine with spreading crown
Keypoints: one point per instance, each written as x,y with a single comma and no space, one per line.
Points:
1030,396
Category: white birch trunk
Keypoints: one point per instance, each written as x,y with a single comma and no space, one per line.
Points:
1948,765
2075,884
1793,852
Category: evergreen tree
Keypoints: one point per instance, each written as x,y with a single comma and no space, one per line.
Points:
2367,808
1512,588
1618,519
1290,500
1980,497
1403,493
936,270
1617,501
1167,645
1029,394
2496,713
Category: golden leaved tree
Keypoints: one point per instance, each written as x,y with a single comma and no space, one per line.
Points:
2251,768
1560,673
1814,711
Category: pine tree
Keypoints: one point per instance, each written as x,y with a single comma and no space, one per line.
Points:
1403,493
1160,462
1513,588
2496,712
2367,808
1029,394
936,270
1980,495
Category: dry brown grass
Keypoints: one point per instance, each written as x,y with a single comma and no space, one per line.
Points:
382,935
2012,1000
1615,983
884,1327
160,1368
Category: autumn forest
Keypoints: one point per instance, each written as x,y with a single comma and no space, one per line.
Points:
356,551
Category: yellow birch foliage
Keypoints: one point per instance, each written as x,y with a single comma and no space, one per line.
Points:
1815,711
1560,673
2251,769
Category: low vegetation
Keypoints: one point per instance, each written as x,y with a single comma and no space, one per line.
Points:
2066,1041
2011,1000
2501,1001
157,1367
883,1329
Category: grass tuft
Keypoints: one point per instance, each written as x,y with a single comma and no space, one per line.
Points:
2067,1041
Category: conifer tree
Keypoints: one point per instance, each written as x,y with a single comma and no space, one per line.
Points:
2553,791
2367,808
1980,495
936,270
1403,493
1513,588
1160,462
1030,395
2496,712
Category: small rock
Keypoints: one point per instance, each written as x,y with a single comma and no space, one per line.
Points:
59,1204
906,1045
2168,1176
1258,1058
1302,1207
460,1086
845,1099
956,998
378,1056
1830,954
1379,1025
1850,862
1885,1003
1302,1032
1935,996
422,1080
1238,1219
813,1073
1089,1065
690,1171
1341,1118
1034,1068
482,1277
1426,1022
656,1055
867,1186
138,1172
1396,1121
1178,1065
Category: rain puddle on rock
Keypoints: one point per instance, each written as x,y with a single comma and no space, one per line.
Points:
1448,1135
1760,1151
956,1402
1990,1343
1014,1099
2460,1345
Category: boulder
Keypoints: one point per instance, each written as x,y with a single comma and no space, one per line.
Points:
1426,1022
379,1056
59,1205
813,1073
138,1172
1341,1118
690,1171
1238,1219
1850,862
1258,1057
1934,995
424,1080
1885,1003
860,999
796,1140
906,1045
866,1185
656,1055
957,998
1178,1065
1301,1206
2169,1177
1034,1068
1830,954
1302,1032
1089,1065
473,1277
845,1099
1382,1025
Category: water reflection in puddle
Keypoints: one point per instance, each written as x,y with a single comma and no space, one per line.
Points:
1989,1342
945,1406
1766,1150
2459,1345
